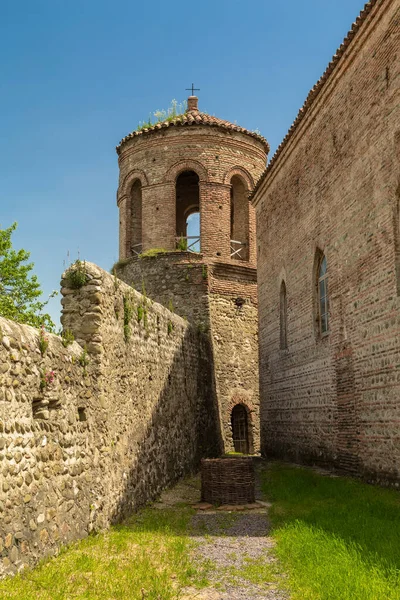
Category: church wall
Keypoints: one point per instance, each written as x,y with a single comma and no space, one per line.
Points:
334,187
114,426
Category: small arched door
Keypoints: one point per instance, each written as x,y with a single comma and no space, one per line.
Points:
240,430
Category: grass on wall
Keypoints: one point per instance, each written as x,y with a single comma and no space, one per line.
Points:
147,558
337,538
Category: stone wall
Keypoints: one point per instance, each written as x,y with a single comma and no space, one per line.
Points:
178,280
220,300
333,188
115,425
233,326
235,350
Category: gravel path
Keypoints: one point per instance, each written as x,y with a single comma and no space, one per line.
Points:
231,541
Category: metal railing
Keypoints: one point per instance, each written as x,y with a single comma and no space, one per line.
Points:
183,243
237,249
136,249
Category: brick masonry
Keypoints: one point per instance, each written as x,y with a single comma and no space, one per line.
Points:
334,187
157,160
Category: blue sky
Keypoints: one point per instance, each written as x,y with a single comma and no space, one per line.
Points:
78,75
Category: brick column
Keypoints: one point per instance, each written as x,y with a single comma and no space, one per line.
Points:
252,236
215,220
158,216
123,205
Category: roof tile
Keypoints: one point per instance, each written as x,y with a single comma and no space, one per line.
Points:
194,117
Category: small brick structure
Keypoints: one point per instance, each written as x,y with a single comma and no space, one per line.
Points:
228,480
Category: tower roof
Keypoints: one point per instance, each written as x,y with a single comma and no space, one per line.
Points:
193,117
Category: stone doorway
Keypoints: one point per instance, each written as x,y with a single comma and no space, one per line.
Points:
240,429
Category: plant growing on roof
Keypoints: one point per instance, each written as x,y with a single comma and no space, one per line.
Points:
176,109
182,244
152,252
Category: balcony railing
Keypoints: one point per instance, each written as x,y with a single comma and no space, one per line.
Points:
188,243
238,249
136,249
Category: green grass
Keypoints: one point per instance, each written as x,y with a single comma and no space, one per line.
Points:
152,252
146,558
337,538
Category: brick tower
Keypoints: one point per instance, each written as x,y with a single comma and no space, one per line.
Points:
187,234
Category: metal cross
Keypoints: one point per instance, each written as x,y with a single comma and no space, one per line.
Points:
193,89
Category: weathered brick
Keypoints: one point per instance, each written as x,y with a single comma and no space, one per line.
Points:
334,186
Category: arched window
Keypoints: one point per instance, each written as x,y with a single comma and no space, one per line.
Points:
283,316
134,234
323,305
188,211
240,429
239,219
397,238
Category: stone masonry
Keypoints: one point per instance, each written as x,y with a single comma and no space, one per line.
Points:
333,189
132,408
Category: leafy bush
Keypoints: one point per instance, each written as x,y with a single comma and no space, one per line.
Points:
19,289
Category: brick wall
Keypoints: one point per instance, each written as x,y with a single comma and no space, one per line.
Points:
334,188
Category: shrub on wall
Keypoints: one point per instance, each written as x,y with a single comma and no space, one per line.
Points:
77,276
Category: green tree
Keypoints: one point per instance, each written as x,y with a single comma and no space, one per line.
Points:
19,288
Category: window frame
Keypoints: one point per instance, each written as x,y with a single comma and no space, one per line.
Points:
283,314
323,300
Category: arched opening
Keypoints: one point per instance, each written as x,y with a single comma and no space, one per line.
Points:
134,234
188,211
239,219
321,295
240,429
397,238
283,316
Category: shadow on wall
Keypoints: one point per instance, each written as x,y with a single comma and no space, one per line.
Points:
177,435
